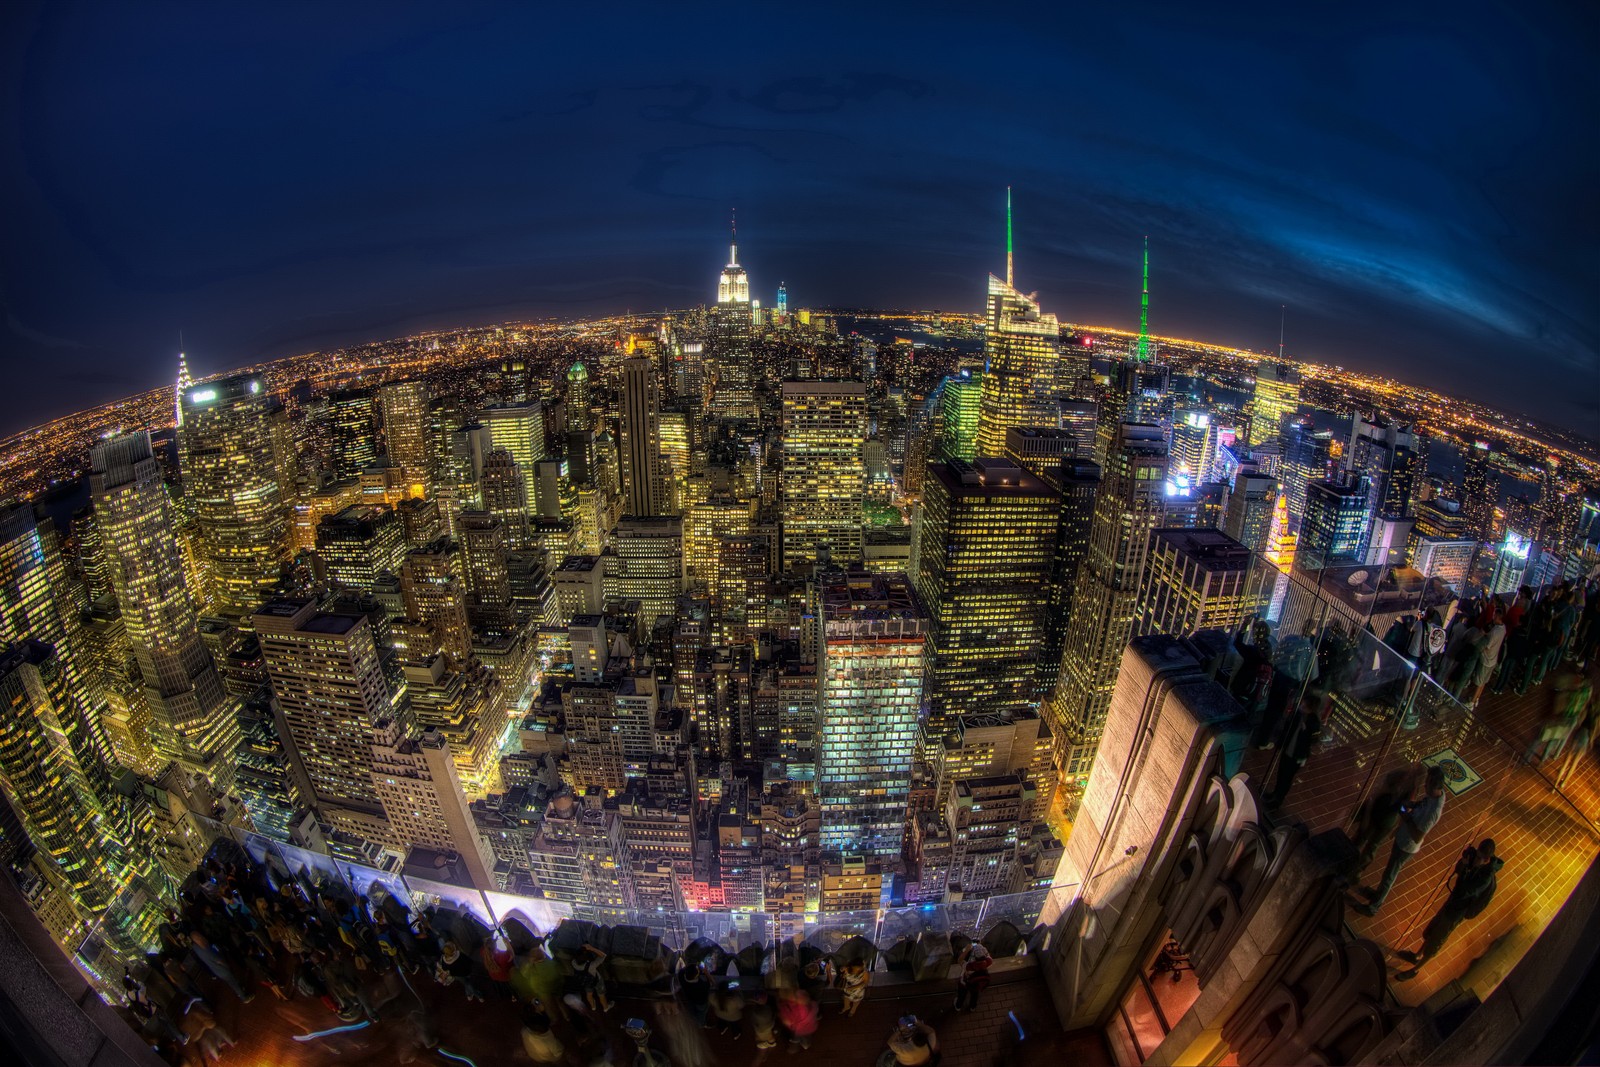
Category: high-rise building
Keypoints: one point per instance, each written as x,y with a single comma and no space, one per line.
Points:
1078,480
1333,526
1388,460
960,406
230,478
985,546
1127,507
1191,441
520,431
1021,347
1195,580
1277,397
705,523
331,687
485,553
405,429
359,544
1247,515
1480,491
435,594
730,386
191,718
352,432
1306,458
581,857
643,487
873,660
645,563
578,416
416,782
824,474
505,496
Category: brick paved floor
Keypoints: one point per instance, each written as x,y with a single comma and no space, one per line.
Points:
1547,839
1015,1004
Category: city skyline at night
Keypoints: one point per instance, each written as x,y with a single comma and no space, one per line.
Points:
924,537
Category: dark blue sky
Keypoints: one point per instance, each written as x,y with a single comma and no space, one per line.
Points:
1418,185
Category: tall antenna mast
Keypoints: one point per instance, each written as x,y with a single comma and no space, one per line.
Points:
1283,310
1010,277
733,226
1144,307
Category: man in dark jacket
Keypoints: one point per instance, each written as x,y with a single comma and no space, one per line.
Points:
1473,890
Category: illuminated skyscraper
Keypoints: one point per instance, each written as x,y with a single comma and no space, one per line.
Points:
1480,491
416,782
1021,347
960,407
579,418
184,382
1127,507
1277,397
643,488
1306,457
731,391
645,563
1191,443
231,481
874,657
824,474
1194,579
191,719
330,685
985,546
44,784
1247,516
405,428
352,432
704,523
1388,460
520,431
1332,528
359,544
505,496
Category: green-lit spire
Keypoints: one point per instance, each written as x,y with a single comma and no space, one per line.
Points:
1144,308
1010,279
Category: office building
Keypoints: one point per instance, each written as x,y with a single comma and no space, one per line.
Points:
579,419
405,430
823,473
644,489
191,718
1480,491
230,479
519,430
352,432
1128,506
330,685
985,547
1247,514
960,405
1276,399
872,664
645,563
1307,457
1021,349
730,373
359,544
1196,580
416,782
1333,526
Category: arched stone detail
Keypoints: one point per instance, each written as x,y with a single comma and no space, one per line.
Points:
1323,1003
1224,870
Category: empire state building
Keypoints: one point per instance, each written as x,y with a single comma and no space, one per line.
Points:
731,391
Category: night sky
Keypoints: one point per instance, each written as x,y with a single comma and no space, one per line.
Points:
1418,186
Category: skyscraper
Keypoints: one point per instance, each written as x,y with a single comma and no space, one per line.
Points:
1306,456
960,408
191,718
985,545
1127,507
359,544
731,389
1021,346
824,474
405,428
1480,491
645,563
1194,580
520,431
1332,528
1277,397
874,656
231,481
329,682
642,484
352,438
579,418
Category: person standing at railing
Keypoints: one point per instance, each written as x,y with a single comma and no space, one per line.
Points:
1416,819
1293,667
1563,617
1587,638
1488,656
1569,699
